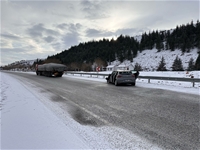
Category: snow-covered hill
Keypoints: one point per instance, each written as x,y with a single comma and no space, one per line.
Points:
24,62
150,59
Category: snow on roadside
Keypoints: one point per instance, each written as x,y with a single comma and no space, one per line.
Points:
186,87
181,74
27,124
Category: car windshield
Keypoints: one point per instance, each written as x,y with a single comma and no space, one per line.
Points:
125,73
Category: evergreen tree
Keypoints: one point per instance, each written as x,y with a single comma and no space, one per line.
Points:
197,63
159,44
177,64
162,65
129,55
52,60
166,46
138,67
171,43
198,34
191,65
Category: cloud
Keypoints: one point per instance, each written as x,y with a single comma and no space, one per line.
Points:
74,27
39,30
99,33
49,39
107,34
70,39
57,46
62,26
9,40
5,43
164,15
70,34
10,36
36,30
10,55
13,50
93,9
130,31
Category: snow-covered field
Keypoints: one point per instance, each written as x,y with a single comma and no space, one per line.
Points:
27,123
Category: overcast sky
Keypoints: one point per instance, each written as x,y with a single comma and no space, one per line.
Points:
37,29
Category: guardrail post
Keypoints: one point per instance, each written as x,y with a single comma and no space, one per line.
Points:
149,80
193,83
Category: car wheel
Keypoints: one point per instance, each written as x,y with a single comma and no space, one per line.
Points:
116,83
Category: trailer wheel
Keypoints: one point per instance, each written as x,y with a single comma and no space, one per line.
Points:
59,75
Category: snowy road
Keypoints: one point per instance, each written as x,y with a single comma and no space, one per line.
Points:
122,117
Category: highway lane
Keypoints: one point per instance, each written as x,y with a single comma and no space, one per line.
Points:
168,119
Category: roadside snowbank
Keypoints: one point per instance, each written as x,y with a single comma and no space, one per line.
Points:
27,124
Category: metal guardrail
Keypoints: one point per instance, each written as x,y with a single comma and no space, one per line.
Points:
192,80
85,73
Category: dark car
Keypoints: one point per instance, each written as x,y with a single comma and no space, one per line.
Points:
121,77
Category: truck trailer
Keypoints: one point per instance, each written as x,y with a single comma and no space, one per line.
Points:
51,69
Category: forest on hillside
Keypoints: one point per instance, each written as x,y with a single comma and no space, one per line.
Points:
183,37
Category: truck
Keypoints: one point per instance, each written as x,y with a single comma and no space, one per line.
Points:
50,69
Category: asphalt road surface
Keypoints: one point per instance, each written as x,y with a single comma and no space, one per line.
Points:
169,119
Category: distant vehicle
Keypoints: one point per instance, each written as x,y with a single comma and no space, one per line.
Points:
121,77
51,69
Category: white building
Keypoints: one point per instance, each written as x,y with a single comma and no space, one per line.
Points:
125,67
111,68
